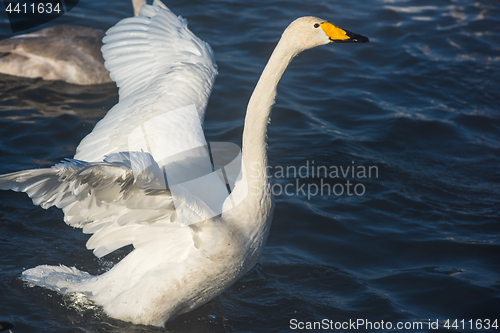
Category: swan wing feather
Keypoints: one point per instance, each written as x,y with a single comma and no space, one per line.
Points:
115,186
159,66
117,204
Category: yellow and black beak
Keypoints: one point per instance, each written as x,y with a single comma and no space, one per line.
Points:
338,35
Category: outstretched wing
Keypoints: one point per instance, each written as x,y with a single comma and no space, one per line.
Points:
115,188
122,200
159,66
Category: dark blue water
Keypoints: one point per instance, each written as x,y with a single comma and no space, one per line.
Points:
418,104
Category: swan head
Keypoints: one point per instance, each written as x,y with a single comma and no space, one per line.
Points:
308,32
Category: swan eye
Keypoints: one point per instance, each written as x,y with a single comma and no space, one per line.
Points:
316,25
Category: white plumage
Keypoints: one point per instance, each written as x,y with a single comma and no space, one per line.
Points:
134,178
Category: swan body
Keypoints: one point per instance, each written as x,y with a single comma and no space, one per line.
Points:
66,52
187,250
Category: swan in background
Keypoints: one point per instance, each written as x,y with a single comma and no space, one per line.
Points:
66,52
184,255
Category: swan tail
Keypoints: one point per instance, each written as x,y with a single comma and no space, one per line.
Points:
60,278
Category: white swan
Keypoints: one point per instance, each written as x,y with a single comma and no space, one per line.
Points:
184,255
66,52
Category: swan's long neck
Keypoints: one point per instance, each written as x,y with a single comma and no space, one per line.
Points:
257,118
